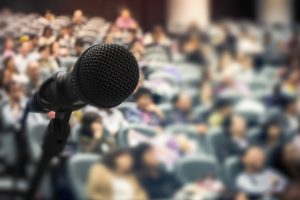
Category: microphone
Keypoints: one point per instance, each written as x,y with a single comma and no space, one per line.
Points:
103,76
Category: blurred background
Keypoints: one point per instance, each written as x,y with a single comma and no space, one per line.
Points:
215,114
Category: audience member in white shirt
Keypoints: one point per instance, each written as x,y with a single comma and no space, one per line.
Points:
257,180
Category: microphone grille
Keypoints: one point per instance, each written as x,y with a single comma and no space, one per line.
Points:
105,75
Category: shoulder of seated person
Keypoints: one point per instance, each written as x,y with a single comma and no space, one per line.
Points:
99,167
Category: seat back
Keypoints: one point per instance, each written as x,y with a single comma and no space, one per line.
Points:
78,168
232,168
193,168
191,132
36,133
134,134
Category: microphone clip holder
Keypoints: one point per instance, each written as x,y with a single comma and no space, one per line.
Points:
56,137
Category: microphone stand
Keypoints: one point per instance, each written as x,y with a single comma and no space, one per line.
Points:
56,136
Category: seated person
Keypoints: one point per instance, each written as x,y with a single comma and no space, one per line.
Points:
257,180
146,112
233,141
93,137
223,108
125,20
112,119
158,183
271,138
113,178
182,113
12,109
287,161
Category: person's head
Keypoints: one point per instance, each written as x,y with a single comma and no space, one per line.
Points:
157,33
79,46
145,157
77,16
25,48
228,79
44,52
9,64
131,36
109,39
206,91
293,77
223,106
194,41
254,159
9,43
290,105
289,155
125,13
64,31
143,97
137,49
120,161
91,123
15,91
33,70
55,49
49,15
235,125
245,61
34,40
225,60
182,102
273,130
47,32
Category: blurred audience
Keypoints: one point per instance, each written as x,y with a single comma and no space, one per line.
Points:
158,183
216,91
113,178
256,180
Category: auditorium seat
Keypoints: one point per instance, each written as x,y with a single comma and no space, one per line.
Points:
78,168
36,133
194,168
190,131
232,168
134,134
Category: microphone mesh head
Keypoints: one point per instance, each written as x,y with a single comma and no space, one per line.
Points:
105,75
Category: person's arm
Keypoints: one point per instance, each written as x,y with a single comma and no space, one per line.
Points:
155,109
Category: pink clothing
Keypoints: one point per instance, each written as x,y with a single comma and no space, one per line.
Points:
125,23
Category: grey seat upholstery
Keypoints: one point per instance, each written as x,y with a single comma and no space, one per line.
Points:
78,168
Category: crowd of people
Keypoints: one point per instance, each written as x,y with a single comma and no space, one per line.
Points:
225,96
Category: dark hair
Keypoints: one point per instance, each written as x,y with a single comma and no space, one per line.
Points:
79,43
222,103
109,160
138,153
87,120
228,121
287,100
141,92
47,28
44,47
6,61
274,121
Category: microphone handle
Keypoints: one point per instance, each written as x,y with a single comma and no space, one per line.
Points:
55,94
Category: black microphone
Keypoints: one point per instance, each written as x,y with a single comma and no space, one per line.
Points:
103,76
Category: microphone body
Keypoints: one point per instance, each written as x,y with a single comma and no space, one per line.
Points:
103,76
